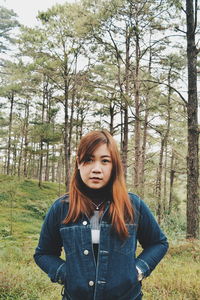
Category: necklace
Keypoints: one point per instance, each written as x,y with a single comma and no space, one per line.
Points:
97,207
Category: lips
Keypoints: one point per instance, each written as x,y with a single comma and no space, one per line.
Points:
96,178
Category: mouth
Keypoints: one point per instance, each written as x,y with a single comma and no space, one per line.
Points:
95,178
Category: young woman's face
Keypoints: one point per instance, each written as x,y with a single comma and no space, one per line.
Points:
96,171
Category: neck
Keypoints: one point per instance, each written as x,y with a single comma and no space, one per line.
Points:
96,195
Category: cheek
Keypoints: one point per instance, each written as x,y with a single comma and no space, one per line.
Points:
83,171
108,172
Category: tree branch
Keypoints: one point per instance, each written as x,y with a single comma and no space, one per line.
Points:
173,88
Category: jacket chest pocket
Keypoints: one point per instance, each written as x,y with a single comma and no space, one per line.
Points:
68,236
126,246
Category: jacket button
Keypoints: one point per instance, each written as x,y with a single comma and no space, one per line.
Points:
91,283
86,252
84,222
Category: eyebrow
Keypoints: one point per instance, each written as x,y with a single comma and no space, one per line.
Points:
102,156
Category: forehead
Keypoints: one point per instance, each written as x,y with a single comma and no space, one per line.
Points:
101,150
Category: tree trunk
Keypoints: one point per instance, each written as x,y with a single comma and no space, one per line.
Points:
42,137
125,140
126,99
82,118
166,138
11,98
193,134
137,173
53,165
77,124
66,125
47,164
122,129
165,179
25,171
172,175
145,130
33,165
144,142
20,154
41,163
14,160
71,124
30,166
159,182
59,171
112,113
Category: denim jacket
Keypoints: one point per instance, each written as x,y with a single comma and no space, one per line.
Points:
114,275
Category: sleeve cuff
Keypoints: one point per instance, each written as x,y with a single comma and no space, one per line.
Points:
59,275
140,274
143,267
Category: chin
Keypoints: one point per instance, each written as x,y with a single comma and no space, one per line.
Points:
95,186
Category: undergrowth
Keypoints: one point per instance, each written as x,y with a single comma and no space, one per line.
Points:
175,278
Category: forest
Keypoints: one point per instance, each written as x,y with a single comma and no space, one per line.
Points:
120,65
131,67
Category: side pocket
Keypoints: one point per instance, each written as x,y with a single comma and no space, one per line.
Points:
134,293
65,294
127,246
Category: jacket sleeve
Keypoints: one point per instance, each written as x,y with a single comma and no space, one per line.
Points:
152,240
48,252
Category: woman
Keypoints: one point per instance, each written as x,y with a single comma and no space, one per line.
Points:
98,225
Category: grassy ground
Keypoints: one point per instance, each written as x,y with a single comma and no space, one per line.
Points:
177,277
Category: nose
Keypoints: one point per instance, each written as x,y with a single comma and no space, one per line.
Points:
96,168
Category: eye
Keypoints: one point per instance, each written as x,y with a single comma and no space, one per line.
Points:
88,160
105,161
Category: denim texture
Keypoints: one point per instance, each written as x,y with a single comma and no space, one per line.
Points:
114,276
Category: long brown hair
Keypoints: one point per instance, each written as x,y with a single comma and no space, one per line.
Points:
120,210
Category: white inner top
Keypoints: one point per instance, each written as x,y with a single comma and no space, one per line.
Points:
95,227
95,236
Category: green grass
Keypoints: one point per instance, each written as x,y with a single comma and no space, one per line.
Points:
175,278
29,202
